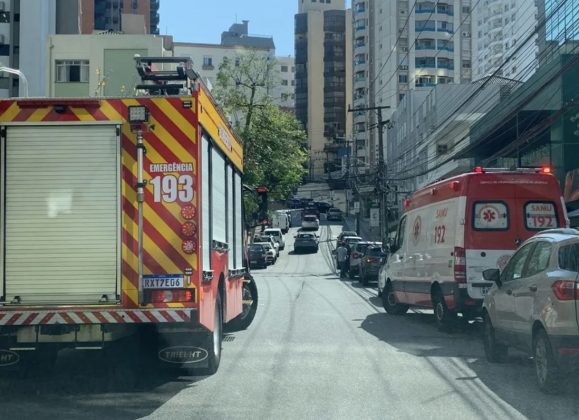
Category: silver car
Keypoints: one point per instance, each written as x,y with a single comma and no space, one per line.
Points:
533,306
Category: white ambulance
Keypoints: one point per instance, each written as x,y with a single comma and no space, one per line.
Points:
453,230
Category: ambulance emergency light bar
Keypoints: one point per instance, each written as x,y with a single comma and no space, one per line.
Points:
542,170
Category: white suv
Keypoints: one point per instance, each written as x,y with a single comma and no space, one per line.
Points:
533,306
277,236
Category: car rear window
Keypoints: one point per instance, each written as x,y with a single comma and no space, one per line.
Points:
258,248
490,215
310,218
569,257
273,232
374,252
540,215
306,236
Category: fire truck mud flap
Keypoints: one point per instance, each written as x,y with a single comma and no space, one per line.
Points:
183,351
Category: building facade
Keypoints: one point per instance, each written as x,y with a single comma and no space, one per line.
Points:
99,64
323,36
111,15
499,28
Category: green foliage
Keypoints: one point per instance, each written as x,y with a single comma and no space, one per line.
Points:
274,141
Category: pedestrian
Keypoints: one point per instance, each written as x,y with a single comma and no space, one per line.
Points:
342,258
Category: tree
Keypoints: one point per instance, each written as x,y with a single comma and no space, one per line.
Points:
274,142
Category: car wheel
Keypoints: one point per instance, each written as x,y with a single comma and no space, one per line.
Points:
443,316
495,352
390,303
546,368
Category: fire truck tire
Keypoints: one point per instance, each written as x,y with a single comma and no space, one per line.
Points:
249,296
214,339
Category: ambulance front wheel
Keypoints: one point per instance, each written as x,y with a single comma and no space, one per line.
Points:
390,302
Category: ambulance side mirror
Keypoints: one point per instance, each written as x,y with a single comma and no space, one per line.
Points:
494,275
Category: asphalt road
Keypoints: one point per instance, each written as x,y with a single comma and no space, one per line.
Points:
319,348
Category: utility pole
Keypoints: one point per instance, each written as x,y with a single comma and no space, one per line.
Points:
381,165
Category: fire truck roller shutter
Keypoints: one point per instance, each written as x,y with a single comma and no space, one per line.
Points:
206,209
230,216
62,217
238,222
218,222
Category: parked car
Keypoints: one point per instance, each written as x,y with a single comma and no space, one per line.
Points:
270,239
371,263
257,256
270,250
357,251
306,242
334,214
281,220
532,306
277,236
310,222
343,234
453,230
322,206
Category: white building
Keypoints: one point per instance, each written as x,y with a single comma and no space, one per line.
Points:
284,90
499,27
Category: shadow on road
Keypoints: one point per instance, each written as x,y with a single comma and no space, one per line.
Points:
82,385
513,382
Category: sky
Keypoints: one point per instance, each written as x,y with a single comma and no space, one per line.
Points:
204,20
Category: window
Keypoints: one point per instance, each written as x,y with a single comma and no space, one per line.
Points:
490,215
284,69
293,82
207,62
72,71
445,27
569,257
514,269
284,82
401,233
4,17
403,78
422,62
539,259
424,25
540,215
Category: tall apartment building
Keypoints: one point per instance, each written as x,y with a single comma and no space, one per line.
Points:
560,30
111,15
414,45
323,36
499,28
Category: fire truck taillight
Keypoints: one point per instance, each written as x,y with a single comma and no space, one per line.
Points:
188,229
167,296
546,170
189,246
454,185
188,212
479,170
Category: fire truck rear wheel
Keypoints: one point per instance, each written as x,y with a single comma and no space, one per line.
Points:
215,339
249,296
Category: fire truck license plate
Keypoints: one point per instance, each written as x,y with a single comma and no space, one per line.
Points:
163,281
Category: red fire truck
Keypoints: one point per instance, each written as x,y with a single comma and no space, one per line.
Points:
121,219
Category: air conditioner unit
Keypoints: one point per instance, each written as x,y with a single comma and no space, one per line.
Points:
466,34
403,67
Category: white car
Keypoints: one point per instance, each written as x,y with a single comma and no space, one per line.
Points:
277,236
269,239
310,222
271,252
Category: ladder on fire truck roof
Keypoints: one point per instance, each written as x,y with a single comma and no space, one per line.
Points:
157,80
